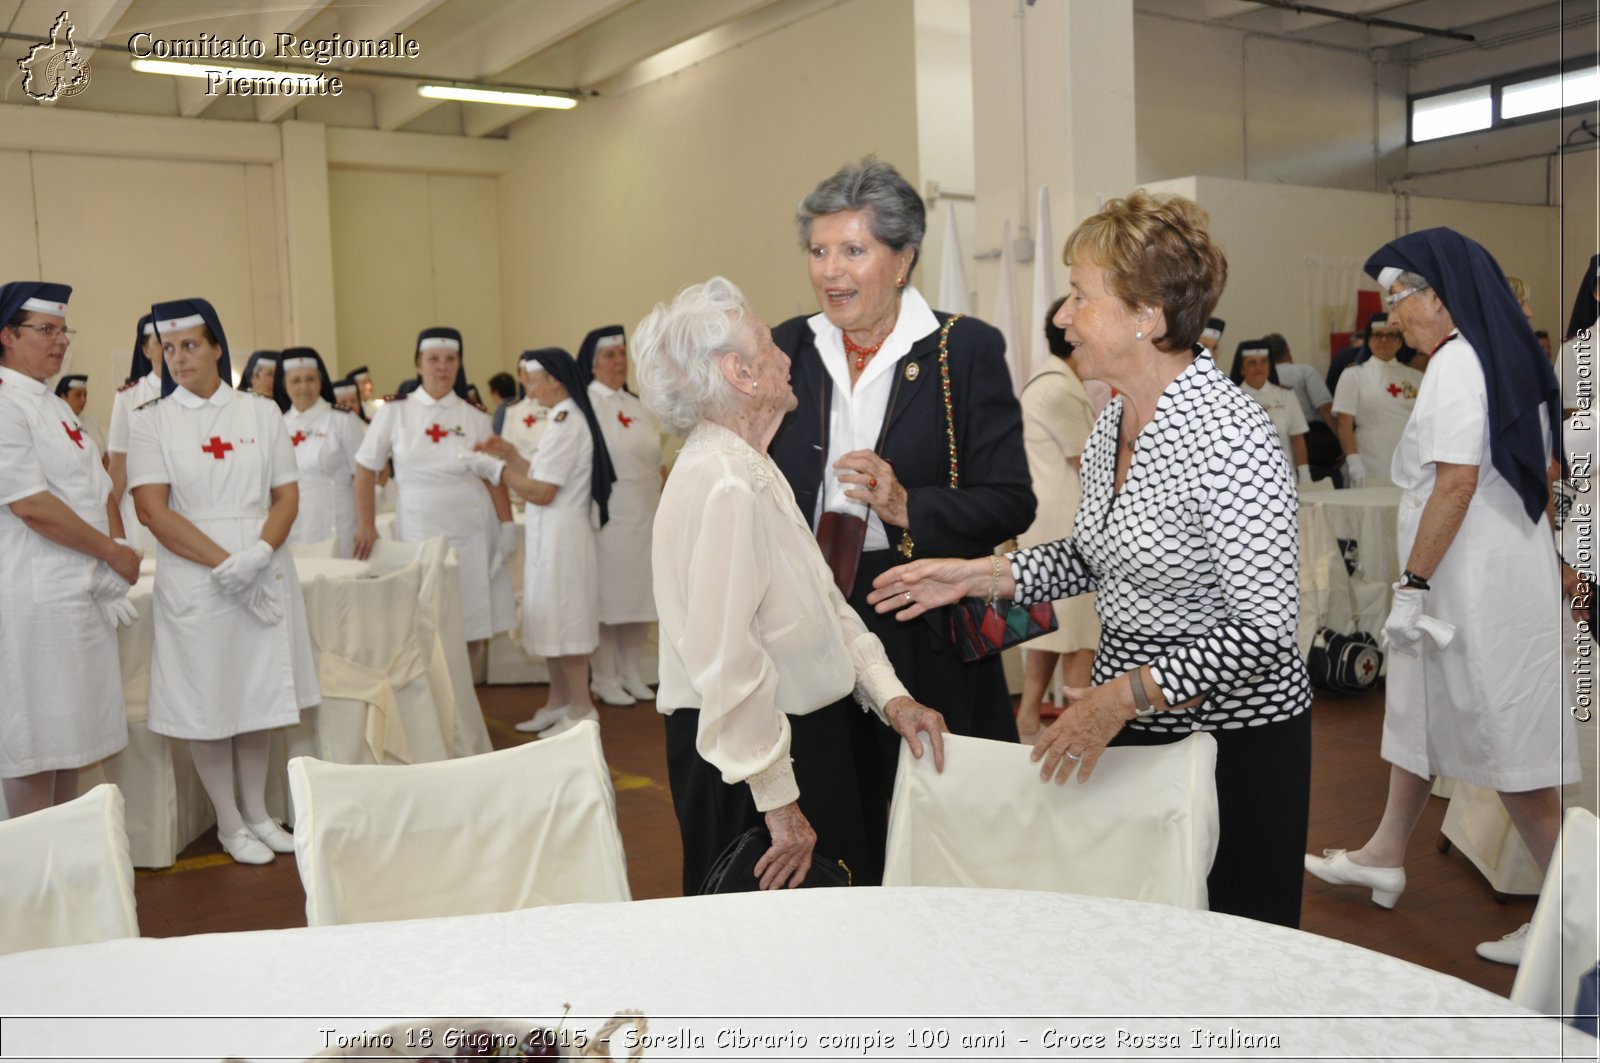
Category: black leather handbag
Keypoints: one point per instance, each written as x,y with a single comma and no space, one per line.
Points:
734,870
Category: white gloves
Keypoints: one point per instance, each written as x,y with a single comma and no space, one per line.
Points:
1407,623
484,466
505,547
1303,474
110,593
1355,471
240,570
262,601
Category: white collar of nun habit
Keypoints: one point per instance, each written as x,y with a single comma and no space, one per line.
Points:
22,381
220,397
419,395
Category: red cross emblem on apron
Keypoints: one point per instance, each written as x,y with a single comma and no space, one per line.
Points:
217,448
435,433
298,438
527,422
624,418
74,434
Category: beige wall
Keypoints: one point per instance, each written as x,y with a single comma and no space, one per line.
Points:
1268,230
613,206
413,250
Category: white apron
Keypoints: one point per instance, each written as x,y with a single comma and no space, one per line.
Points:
127,399
216,671
634,442
1488,708
437,495
560,592
61,705
325,442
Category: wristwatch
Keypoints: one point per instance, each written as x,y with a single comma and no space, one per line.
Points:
1411,579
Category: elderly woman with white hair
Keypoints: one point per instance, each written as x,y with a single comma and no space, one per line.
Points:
763,661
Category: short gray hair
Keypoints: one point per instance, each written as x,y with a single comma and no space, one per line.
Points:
899,218
1412,280
675,349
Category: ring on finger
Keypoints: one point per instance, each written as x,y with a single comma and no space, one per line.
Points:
909,598
872,483
1074,757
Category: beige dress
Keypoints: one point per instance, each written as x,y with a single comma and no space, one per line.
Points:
1056,418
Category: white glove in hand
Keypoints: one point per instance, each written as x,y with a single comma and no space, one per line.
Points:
484,466
241,569
119,612
510,538
1303,475
1400,631
105,584
1355,471
262,601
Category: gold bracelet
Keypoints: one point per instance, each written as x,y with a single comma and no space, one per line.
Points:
994,581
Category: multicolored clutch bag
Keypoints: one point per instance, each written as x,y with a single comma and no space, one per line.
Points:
979,631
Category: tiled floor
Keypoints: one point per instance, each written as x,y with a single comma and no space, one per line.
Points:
1447,908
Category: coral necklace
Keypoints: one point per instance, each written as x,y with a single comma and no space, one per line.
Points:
861,354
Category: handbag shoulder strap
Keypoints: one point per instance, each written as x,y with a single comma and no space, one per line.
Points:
944,391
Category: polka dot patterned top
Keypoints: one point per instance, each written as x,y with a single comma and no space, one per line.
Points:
1195,560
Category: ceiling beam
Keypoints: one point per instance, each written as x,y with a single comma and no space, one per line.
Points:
508,36
605,50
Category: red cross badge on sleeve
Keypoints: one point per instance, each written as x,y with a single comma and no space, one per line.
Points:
299,437
74,433
217,448
435,433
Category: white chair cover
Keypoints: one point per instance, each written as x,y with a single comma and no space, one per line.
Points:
377,706
324,548
391,555
449,668
1564,936
1144,827
531,825
65,877
1477,824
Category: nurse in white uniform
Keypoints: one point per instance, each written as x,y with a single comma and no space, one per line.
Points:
1257,377
259,373
527,418
143,385
1486,706
64,568
424,432
325,440
73,389
212,473
627,601
568,486
1372,403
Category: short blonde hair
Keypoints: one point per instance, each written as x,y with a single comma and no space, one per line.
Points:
1158,253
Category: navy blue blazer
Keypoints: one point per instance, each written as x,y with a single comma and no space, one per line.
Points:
994,500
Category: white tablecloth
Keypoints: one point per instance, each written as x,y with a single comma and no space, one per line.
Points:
818,963
166,806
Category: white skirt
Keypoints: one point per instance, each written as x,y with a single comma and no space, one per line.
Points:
560,590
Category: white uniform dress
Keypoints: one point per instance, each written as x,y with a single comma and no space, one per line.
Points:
91,429
437,495
215,670
1379,395
634,442
146,389
325,441
560,584
62,701
525,422
1057,415
1493,713
1283,406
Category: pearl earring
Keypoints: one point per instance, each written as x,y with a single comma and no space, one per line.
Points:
1138,335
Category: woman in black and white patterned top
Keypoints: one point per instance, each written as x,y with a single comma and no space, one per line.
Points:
1187,532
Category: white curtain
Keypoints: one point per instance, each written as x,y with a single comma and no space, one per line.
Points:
1331,286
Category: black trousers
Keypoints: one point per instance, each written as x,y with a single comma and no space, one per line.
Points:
1263,802
824,745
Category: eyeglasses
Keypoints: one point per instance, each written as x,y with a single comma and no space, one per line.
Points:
1392,301
50,332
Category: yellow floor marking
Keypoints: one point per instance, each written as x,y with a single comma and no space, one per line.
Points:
193,863
621,780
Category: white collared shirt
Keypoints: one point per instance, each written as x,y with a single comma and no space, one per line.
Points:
44,448
855,420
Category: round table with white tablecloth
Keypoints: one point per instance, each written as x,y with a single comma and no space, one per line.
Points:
1018,973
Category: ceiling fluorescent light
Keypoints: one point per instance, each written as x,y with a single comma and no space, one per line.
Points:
193,70
513,99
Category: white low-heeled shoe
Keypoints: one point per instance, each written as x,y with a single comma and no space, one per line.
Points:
611,692
1508,949
273,836
638,688
569,722
543,720
1335,866
245,847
